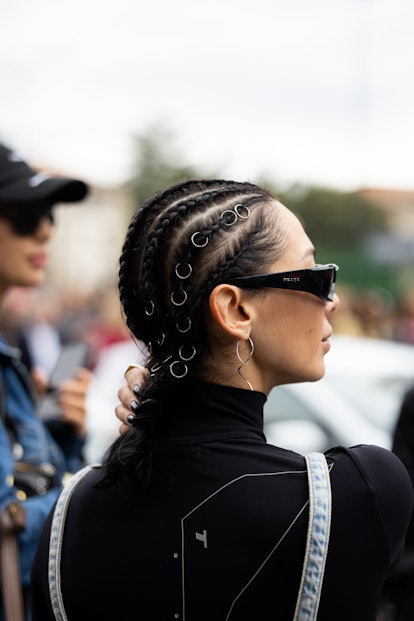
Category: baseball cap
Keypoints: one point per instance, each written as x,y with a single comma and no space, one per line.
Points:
20,184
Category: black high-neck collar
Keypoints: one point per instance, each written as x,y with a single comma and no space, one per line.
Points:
199,410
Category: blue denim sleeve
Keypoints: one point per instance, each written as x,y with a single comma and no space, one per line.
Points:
37,509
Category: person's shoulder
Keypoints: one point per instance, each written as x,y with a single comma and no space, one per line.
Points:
367,457
382,472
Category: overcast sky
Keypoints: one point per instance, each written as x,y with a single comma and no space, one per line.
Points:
317,91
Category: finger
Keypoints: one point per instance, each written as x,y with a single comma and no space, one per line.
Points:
137,376
126,395
122,413
123,428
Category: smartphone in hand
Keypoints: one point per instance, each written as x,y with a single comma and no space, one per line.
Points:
72,357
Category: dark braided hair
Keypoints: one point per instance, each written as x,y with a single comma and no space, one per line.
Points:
180,244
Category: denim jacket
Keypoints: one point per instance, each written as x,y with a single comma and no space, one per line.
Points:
34,444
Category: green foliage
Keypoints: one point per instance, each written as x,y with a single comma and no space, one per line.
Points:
334,219
158,163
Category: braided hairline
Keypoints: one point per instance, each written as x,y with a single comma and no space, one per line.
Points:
195,338
165,220
128,293
161,224
170,201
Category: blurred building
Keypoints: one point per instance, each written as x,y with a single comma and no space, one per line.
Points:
399,206
88,239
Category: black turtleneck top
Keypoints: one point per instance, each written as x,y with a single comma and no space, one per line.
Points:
219,534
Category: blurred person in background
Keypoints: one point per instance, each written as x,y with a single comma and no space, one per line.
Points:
398,595
32,465
219,280
404,328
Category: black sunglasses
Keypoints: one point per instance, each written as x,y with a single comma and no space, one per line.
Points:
319,280
25,219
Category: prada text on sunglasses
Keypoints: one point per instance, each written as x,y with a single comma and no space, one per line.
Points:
319,280
25,219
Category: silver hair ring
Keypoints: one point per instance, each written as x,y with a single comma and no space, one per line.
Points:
183,277
156,367
179,303
162,339
176,375
151,311
186,329
233,215
246,210
198,245
190,357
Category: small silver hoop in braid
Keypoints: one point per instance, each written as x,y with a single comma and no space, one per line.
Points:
149,308
244,362
242,211
232,219
193,240
189,356
183,329
180,303
186,274
174,373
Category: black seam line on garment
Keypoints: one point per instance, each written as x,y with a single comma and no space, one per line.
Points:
218,491
259,569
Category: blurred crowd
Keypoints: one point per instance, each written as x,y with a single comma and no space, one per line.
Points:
375,313
40,320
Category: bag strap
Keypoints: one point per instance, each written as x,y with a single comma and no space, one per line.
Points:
56,538
320,508
12,520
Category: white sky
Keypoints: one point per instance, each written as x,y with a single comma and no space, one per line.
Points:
318,91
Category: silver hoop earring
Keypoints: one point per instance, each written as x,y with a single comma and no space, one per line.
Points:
244,362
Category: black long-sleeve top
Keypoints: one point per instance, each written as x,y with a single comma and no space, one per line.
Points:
220,532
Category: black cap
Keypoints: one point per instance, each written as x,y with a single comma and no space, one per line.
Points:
20,184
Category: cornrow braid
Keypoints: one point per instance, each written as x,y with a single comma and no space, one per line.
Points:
180,244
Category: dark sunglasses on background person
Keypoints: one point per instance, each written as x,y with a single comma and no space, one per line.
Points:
25,219
318,280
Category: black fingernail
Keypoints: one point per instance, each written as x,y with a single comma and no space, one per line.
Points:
131,418
134,405
136,390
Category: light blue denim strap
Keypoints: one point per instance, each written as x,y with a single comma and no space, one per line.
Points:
55,546
319,525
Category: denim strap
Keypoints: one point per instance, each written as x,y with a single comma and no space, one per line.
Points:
320,505
316,545
56,538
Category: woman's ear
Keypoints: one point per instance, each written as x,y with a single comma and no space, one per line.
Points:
231,310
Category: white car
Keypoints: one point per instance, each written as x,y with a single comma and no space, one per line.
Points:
357,402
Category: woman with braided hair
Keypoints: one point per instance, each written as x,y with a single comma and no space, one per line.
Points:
192,515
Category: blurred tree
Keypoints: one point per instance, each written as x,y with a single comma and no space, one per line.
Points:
158,163
334,219
339,223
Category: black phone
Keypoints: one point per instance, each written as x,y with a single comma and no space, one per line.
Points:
72,357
